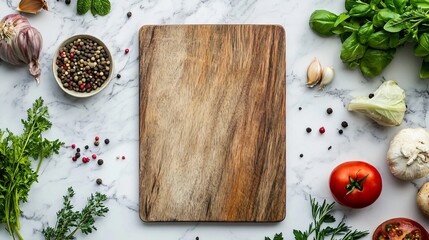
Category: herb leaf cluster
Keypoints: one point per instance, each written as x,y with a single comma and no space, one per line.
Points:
277,236
322,215
16,172
100,7
372,30
70,221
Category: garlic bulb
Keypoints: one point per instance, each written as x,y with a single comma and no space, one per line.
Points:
20,43
408,154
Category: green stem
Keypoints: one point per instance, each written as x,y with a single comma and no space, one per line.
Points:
17,233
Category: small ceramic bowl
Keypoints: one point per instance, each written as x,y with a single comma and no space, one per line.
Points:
55,67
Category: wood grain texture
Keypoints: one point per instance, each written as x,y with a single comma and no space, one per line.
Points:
212,123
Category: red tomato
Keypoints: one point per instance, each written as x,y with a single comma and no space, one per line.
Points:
355,184
400,228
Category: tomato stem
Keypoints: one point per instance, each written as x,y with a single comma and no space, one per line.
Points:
355,183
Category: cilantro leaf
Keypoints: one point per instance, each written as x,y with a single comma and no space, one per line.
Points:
16,172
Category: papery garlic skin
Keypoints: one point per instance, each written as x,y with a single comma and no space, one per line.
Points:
327,77
314,73
408,154
20,43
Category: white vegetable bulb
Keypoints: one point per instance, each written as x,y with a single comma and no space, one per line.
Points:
387,106
408,154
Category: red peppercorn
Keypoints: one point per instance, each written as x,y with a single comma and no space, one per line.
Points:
82,86
74,158
322,130
97,138
57,63
127,51
88,85
64,65
73,146
85,160
71,55
94,156
123,157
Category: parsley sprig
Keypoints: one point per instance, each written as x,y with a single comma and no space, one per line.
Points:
277,236
16,172
69,221
322,215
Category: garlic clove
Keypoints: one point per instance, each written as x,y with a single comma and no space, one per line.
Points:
314,73
32,6
328,74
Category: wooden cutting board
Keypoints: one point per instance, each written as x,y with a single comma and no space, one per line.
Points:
212,123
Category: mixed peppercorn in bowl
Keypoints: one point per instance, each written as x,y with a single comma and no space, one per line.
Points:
82,66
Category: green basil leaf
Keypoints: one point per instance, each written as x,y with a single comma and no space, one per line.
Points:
352,65
423,4
395,25
93,10
373,4
344,36
422,49
349,4
424,70
394,40
341,18
383,16
397,6
102,6
83,6
322,22
375,61
352,50
365,31
379,40
361,10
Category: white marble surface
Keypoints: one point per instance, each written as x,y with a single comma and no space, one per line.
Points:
114,114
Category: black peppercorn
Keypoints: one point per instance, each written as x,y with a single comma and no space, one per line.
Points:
308,130
371,95
100,161
344,124
330,147
340,131
300,108
68,2
301,155
118,75
129,14
197,238
86,147
99,181
77,155
106,141
96,143
77,149
329,110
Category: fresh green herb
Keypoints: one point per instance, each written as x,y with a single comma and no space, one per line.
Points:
83,6
69,221
321,215
277,236
377,27
100,7
16,172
